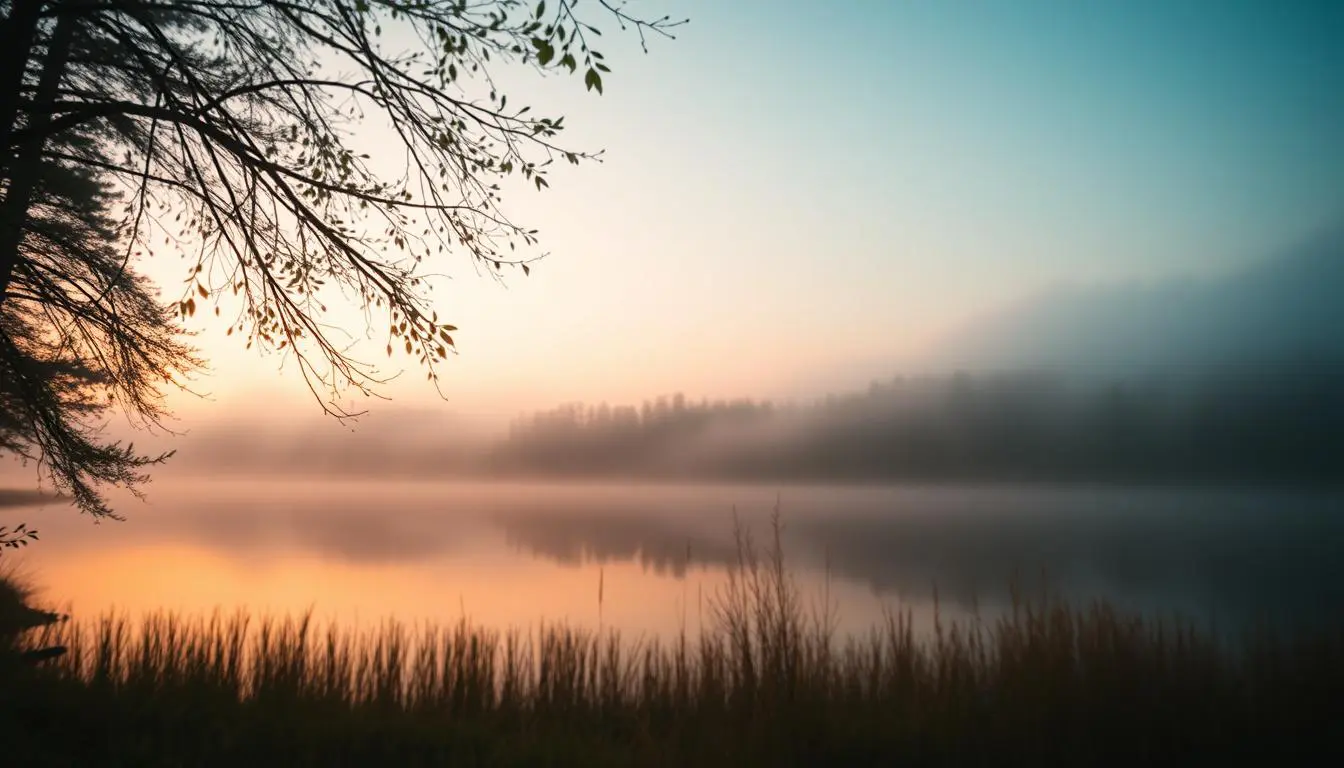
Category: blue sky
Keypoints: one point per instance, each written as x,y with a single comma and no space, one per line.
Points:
801,196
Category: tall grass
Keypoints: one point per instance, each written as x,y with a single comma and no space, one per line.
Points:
770,683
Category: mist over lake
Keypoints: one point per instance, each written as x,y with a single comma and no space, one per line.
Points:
1170,462
671,383
517,554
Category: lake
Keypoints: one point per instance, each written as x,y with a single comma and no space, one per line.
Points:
648,559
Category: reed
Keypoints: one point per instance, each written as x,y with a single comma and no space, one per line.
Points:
768,683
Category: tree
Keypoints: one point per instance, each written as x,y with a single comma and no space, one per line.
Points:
80,334
230,128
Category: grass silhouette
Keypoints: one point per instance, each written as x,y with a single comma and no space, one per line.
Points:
769,684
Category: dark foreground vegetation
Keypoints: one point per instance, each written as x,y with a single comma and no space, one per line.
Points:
771,685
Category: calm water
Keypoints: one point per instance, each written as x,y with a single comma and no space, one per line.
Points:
647,559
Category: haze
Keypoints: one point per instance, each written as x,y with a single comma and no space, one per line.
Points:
1038,245
806,197
911,378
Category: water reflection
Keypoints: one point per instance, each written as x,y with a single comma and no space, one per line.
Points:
506,553
666,547
1221,556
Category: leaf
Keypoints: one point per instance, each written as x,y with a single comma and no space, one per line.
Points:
541,9
593,80
527,270
545,51
568,61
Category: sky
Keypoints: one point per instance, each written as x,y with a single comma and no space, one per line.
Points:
800,197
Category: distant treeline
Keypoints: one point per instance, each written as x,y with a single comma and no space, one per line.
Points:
1254,424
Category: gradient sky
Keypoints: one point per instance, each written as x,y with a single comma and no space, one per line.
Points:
803,196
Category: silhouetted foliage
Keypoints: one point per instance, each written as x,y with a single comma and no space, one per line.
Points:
81,334
230,131
17,538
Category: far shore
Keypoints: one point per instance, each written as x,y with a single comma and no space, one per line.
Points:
14,497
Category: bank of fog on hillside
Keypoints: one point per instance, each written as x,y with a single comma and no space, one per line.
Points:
1248,424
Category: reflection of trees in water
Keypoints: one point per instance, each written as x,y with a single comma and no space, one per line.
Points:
1230,555
1228,564
661,546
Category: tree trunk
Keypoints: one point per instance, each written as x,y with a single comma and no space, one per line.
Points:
17,31
25,165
